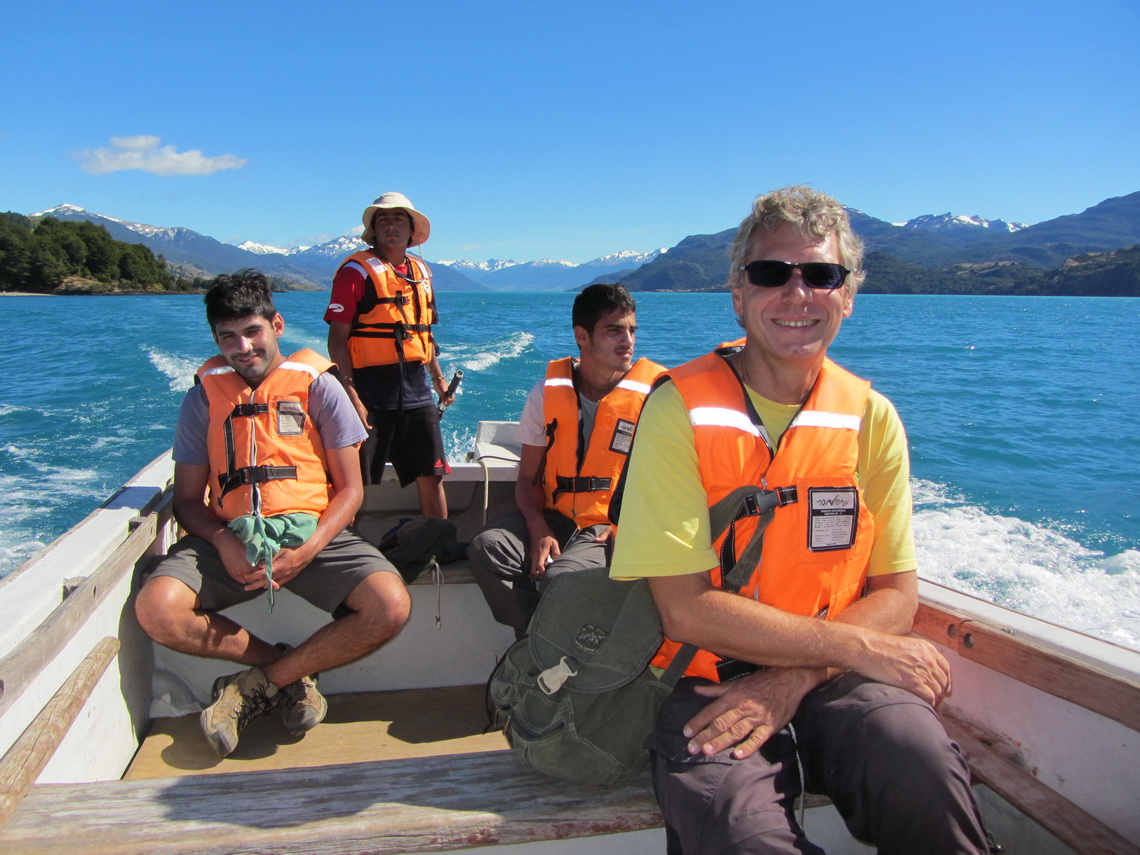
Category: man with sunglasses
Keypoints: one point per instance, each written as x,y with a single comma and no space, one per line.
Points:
767,502
380,318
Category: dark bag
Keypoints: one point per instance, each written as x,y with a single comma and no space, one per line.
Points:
415,545
575,697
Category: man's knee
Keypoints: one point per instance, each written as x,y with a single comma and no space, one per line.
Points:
916,783
910,744
161,605
383,603
479,547
495,552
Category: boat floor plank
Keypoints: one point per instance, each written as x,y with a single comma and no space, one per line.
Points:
424,804
360,727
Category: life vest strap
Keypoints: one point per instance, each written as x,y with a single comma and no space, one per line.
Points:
580,484
744,502
255,475
247,410
398,331
747,502
540,471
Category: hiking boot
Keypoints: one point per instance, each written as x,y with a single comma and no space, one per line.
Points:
302,706
237,699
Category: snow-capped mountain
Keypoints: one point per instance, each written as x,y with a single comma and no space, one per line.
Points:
74,212
548,273
315,265
197,254
335,249
949,222
475,268
262,249
626,258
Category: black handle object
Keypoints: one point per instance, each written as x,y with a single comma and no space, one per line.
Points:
456,379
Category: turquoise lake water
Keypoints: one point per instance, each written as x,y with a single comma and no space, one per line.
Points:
1023,416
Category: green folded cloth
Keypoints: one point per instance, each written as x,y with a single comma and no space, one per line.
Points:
264,537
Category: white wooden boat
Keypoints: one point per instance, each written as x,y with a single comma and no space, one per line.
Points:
101,751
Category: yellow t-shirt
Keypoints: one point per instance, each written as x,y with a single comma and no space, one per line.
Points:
664,526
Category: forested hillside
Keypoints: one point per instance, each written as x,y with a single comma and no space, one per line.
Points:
76,257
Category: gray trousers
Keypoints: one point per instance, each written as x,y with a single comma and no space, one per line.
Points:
878,752
499,557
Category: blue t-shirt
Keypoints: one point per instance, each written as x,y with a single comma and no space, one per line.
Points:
329,407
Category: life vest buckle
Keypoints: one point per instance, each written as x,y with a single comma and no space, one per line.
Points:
580,484
247,410
765,501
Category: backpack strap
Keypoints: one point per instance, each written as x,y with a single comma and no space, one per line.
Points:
746,501
676,669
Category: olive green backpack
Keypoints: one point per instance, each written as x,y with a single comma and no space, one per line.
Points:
576,697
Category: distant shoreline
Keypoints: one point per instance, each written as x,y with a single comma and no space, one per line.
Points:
100,294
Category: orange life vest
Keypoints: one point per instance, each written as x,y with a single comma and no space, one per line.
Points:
578,484
266,454
817,545
394,317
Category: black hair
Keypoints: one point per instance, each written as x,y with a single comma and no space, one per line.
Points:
239,295
599,300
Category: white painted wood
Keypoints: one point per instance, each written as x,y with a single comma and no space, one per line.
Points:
33,590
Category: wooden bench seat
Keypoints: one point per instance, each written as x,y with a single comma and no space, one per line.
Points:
267,799
415,805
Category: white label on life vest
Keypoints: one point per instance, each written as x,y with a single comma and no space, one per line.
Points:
833,514
290,418
623,437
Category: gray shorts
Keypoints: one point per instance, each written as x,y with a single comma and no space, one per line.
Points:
328,580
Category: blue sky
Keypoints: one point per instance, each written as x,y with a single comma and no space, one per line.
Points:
565,130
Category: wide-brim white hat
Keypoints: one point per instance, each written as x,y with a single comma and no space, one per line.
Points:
420,230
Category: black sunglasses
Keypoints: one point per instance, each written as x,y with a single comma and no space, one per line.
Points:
817,274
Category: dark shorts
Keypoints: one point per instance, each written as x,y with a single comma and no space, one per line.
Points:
328,580
408,439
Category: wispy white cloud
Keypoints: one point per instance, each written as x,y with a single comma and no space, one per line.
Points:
147,153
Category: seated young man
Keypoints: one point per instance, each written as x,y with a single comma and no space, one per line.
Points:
576,429
266,481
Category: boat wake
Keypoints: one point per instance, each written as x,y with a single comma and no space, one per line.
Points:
179,370
35,491
482,356
1026,566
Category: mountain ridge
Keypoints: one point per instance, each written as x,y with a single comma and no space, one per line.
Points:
697,262
700,262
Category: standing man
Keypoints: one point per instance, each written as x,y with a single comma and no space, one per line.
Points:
265,454
769,456
380,319
576,429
